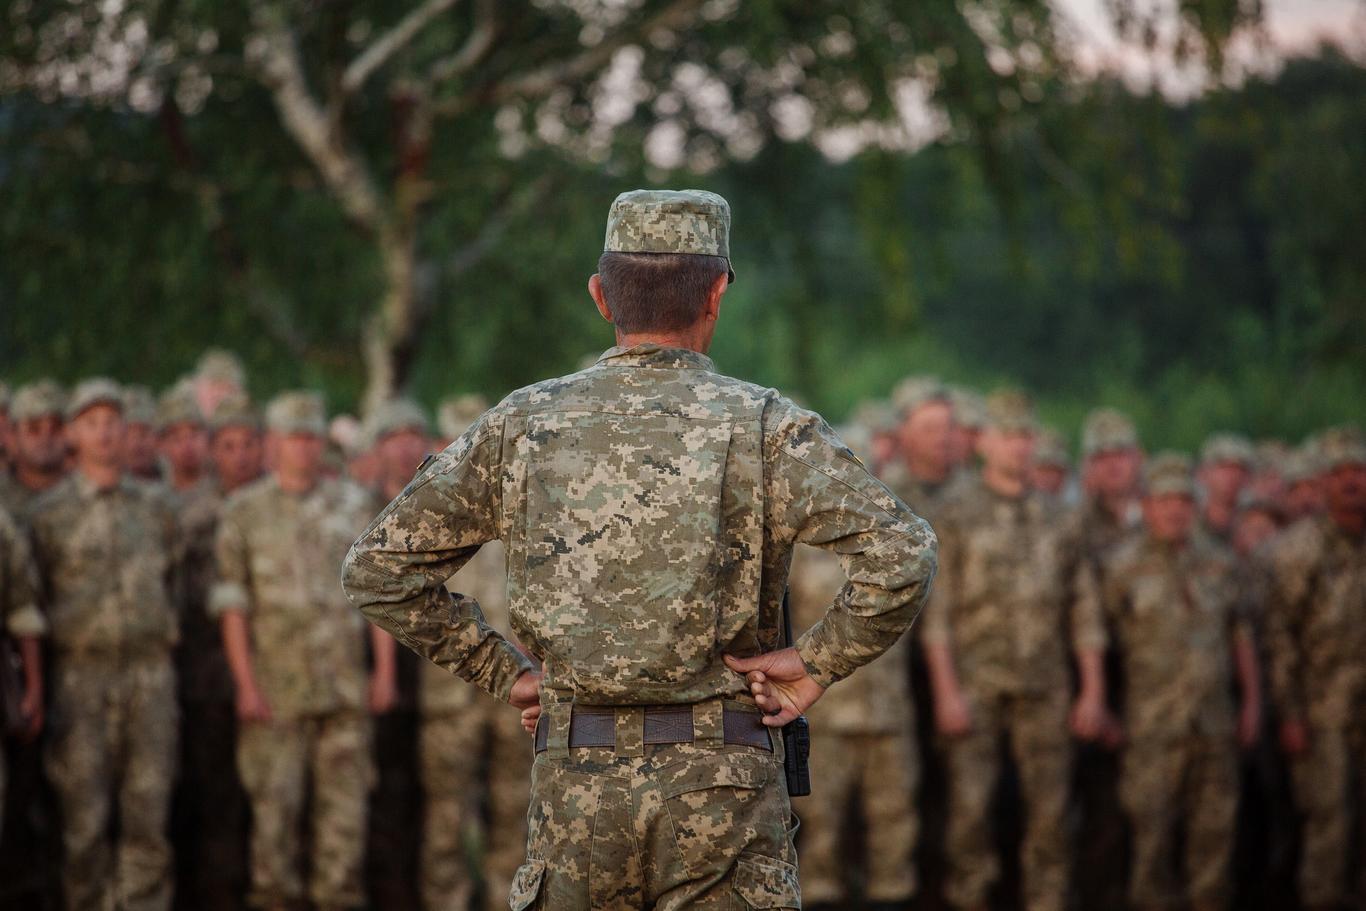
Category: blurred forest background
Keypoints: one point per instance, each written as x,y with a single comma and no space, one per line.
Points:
370,197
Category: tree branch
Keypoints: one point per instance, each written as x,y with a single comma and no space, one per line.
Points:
495,226
272,52
391,42
476,46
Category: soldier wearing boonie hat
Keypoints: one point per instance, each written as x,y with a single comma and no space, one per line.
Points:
629,472
1226,463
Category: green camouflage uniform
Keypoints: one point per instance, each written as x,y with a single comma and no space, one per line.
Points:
277,555
105,557
1003,603
19,613
1175,612
649,506
1316,622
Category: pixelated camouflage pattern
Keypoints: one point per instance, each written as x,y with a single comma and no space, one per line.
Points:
98,390
1228,447
299,411
18,499
37,399
276,558
649,506
1012,411
1107,430
1169,473
20,615
669,221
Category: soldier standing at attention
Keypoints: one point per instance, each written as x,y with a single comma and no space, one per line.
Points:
1173,595
235,444
649,506
1226,462
140,434
1051,464
105,547
1303,483
39,456
996,641
1316,617
926,440
297,656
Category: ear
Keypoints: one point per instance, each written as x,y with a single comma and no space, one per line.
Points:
595,292
714,295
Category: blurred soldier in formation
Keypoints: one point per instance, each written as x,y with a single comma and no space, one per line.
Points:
235,446
218,376
922,474
1226,462
969,419
40,448
105,547
140,434
1051,464
1317,623
1267,483
883,425
297,655
1174,599
1303,486
996,634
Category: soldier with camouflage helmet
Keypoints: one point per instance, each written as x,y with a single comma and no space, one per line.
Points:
297,655
649,506
40,450
1174,598
105,546
1005,613
1316,618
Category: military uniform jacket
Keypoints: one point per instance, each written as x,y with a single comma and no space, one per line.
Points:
1007,599
19,612
485,579
105,558
1176,612
1316,621
649,507
277,556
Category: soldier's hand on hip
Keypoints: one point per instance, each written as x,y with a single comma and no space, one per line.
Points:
780,684
526,690
530,717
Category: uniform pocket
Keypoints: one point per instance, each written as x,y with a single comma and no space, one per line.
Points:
721,805
766,883
526,885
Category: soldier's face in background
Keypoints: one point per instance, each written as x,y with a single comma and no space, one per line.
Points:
185,446
1345,490
96,435
1224,481
140,449
40,442
1252,528
1113,472
927,435
1303,498
399,454
298,454
236,454
1049,478
1169,516
1007,452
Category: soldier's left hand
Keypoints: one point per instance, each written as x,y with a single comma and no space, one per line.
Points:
1087,719
1249,723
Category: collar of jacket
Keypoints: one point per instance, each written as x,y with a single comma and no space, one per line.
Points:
652,355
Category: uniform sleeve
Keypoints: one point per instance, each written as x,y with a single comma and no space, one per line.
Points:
936,628
231,590
1087,620
824,497
396,571
1290,586
19,584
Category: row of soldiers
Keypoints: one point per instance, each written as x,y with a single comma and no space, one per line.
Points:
1140,611
182,559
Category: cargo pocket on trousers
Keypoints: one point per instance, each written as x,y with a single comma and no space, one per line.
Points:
526,885
766,883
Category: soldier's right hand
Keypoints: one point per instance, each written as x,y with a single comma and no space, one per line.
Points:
1294,737
252,705
952,717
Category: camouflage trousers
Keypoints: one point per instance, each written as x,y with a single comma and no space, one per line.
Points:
452,752
879,774
1330,789
679,826
1035,728
1189,782
280,762
112,754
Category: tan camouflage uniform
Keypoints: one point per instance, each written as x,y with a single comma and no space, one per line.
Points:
1005,604
462,728
1176,612
20,616
277,555
649,506
1316,620
105,557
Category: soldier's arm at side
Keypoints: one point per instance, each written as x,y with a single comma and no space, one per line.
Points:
396,571
229,600
24,620
1089,639
952,717
1290,584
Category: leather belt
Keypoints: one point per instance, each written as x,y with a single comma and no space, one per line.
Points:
596,726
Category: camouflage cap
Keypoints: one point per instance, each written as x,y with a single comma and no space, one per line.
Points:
1271,455
37,400
969,408
1051,449
178,406
217,364
1168,473
139,406
297,412
1228,447
1302,464
455,414
914,391
670,221
875,416
1107,430
235,411
1011,411
395,415
97,390
1339,446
